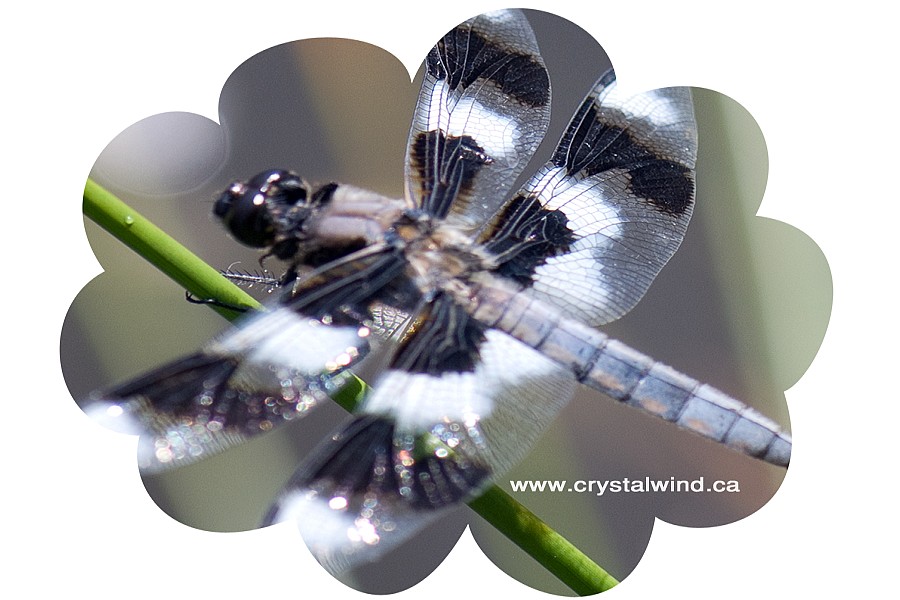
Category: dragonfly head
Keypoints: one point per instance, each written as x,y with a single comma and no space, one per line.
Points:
262,210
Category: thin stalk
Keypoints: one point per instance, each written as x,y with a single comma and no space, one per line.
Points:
163,252
498,508
554,552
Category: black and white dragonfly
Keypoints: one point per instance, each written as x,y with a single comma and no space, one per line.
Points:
488,300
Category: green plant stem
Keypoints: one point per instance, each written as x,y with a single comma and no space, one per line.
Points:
497,507
163,252
541,542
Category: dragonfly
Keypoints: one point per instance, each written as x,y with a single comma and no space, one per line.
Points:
487,299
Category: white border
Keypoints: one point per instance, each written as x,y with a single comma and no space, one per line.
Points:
78,73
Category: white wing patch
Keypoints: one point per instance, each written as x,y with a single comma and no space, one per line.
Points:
462,115
418,401
584,207
285,339
512,384
656,105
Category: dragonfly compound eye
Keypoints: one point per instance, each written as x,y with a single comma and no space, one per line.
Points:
251,210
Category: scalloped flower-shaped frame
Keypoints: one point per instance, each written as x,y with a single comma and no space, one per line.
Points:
338,110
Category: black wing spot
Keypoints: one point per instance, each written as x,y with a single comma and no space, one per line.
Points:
463,56
592,146
527,236
351,461
669,185
197,389
447,341
175,387
362,459
461,158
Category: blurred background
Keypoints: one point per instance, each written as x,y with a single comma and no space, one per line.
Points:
743,305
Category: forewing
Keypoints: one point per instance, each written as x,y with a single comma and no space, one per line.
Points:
271,370
591,229
482,111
